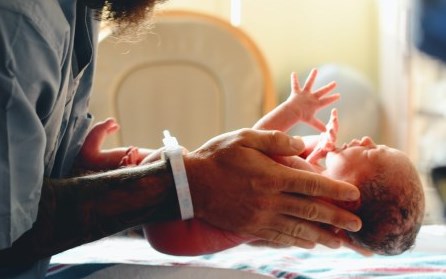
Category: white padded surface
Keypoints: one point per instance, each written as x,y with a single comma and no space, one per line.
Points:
188,75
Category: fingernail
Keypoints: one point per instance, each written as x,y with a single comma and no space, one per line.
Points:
334,243
352,195
354,226
297,144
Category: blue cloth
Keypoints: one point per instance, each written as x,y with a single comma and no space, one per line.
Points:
430,24
46,72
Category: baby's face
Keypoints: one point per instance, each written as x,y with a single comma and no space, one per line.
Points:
358,159
392,202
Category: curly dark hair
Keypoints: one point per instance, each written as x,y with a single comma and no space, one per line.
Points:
126,15
392,210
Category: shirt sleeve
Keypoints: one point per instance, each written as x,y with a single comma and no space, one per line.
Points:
29,82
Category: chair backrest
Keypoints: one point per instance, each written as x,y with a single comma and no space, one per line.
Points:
194,74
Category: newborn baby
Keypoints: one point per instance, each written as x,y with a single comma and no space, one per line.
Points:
392,201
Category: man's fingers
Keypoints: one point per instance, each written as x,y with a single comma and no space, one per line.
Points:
316,210
285,239
347,242
294,162
273,143
313,184
305,230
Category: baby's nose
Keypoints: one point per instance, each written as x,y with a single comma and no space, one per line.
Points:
367,141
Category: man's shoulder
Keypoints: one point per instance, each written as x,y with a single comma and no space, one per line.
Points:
29,6
38,12
47,17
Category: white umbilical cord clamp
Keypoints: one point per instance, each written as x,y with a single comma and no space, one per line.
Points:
175,154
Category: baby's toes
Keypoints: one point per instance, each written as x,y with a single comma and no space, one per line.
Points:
131,156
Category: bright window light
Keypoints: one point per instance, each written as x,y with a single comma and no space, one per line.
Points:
236,11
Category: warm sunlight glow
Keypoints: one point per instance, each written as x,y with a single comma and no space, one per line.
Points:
236,10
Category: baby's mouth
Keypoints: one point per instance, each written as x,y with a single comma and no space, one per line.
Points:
339,149
353,142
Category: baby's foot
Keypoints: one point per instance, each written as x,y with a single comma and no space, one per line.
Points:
130,158
91,149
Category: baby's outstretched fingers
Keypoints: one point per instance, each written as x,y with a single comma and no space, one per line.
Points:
310,80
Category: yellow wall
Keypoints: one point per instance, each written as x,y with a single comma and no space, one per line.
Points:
296,35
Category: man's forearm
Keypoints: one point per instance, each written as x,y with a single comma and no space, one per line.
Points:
78,210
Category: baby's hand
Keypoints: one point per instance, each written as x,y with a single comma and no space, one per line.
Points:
331,133
327,140
308,102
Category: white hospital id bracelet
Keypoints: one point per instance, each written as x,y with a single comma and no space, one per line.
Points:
175,154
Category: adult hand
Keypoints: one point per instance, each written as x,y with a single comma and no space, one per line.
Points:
235,185
349,243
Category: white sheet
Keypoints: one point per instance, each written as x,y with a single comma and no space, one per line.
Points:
134,258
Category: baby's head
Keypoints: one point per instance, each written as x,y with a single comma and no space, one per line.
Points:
392,199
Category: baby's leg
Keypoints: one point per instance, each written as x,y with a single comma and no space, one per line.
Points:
96,137
93,157
191,238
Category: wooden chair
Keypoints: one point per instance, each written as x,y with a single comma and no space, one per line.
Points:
193,73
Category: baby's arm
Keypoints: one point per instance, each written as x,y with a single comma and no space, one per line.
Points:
301,105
